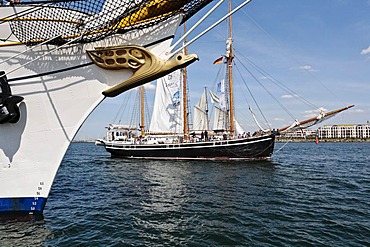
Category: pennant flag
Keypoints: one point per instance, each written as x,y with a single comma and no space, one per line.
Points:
218,60
221,86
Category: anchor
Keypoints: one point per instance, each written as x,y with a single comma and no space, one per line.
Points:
9,110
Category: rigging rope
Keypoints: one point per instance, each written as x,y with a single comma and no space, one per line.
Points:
279,84
211,27
288,141
125,104
148,116
272,96
251,94
249,105
291,57
136,110
22,13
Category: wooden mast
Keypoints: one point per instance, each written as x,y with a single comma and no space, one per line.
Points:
230,73
207,119
184,93
142,124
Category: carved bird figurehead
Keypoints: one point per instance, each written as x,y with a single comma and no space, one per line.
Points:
145,65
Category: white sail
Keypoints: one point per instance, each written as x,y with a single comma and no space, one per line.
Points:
168,113
238,128
214,98
200,117
219,119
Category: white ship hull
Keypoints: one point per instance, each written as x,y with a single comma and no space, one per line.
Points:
60,90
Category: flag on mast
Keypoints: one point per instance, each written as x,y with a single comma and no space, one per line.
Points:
218,60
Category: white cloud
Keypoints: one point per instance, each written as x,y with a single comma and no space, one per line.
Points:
308,68
358,111
365,51
289,96
149,86
314,113
310,115
278,119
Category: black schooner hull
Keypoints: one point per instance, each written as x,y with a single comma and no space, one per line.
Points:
255,148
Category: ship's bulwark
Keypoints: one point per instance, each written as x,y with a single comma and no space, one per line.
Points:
259,148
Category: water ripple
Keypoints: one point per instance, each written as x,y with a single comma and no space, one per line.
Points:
308,195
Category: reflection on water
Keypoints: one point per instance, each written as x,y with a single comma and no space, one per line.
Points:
167,193
308,195
186,200
28,233
167,190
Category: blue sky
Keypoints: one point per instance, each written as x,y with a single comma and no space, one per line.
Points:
320,49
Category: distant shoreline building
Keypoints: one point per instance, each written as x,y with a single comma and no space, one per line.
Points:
343,131
336,131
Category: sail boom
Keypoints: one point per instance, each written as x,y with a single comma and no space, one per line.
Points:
314,120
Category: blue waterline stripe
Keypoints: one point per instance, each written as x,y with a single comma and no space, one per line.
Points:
27,205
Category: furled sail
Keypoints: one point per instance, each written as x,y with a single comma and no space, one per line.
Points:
313,121
200,117
168,113
85,21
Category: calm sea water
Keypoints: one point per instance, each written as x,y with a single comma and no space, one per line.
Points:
308,195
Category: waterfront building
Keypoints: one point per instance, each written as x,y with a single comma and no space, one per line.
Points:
343,131
302,133
336,131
